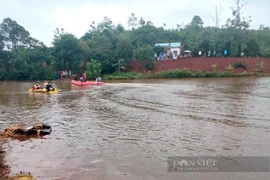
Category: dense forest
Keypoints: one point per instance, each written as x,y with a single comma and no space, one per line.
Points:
108,47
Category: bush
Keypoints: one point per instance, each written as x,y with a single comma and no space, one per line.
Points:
198,74
184,73
165,74
145,55
149,76
175,74
209,74
239,64
93,69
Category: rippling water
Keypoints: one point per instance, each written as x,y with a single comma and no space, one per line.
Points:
126,130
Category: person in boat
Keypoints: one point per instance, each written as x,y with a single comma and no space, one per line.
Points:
75,77
84,76
36,86
81,79
98,79
49,87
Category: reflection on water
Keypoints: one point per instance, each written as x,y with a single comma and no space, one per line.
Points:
126,130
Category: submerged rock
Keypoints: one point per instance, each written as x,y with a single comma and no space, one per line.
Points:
28,131
23,176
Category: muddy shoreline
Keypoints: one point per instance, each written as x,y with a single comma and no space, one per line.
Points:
4,169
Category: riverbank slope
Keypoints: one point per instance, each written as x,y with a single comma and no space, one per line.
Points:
4,170
204,64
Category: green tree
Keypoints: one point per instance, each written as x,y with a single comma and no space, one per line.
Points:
142,22
93,69
263,37
33,63
197,22
238,26
106,24
193,40
149,23
68,51
119,28
120,65
145,54
159,49
5,64
13,34
23,57
252,47
85,49
2,44
124,49
132,21
101,50
145,35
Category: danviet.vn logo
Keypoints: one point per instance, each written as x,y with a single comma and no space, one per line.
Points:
194,164
217,164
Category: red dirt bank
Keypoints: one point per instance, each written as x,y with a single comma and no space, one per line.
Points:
195,64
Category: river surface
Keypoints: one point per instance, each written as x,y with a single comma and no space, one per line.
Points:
127,129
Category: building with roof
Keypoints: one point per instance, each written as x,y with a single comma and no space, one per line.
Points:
175,47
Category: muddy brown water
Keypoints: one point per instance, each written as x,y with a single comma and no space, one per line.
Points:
127,129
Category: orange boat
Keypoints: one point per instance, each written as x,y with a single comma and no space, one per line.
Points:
87,83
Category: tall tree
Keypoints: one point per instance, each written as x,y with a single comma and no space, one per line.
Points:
238,26
68,51
132,21
124,49
106,24
141,22
197,22
217,18
93,69
14,34
145,54
101,50
2,44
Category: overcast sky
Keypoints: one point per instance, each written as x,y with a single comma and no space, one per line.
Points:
42,17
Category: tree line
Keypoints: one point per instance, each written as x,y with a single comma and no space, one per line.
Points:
107,47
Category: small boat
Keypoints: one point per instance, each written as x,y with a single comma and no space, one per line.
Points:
87,83
43,90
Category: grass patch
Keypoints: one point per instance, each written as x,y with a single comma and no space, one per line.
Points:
183,73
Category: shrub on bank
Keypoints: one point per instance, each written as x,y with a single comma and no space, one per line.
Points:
260,74
216,74
123,76
183,73
239,64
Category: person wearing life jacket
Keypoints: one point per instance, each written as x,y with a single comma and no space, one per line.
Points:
84,76
75,78
36,86
81,79
98,79
49,87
